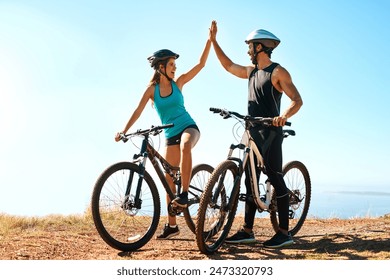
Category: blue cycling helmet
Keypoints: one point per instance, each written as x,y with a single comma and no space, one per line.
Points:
161,55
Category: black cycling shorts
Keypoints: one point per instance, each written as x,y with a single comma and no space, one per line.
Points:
175,140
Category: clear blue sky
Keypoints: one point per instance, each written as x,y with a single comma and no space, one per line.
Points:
71,73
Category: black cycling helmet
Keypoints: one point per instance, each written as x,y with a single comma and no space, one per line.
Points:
161,55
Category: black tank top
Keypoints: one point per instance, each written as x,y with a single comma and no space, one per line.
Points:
264,98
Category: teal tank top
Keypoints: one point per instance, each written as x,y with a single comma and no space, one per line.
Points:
171,110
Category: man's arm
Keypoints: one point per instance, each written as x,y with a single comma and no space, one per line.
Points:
227,63
282,81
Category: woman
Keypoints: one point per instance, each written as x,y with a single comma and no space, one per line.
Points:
165,92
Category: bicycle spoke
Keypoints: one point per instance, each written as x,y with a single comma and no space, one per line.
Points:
122,222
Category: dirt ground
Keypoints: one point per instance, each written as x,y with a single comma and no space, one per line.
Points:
319,239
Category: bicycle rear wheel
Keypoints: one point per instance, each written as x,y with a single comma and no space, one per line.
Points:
122,222
217,207
199,178
297,179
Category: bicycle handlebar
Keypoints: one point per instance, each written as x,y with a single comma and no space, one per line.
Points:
154,130
260,120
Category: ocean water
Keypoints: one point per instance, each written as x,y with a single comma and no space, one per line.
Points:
346,203
339,202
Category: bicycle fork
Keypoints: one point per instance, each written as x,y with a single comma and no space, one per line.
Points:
262,203
136,201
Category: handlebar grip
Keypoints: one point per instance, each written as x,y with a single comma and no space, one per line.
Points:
288,123
215,110
167,125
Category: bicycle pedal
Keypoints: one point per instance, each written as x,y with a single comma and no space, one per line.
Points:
178,206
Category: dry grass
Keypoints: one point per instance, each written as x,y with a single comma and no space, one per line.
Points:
75,238
20,224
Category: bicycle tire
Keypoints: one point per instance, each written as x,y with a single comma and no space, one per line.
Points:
213,213
200,175
297,179
119,223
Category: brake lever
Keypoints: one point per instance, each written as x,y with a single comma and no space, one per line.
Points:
123,137
225,115
156,132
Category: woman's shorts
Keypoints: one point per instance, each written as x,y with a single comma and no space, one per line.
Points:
175,140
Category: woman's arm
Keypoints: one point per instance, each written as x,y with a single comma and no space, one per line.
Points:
148,94
186,77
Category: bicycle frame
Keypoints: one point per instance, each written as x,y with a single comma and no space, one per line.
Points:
250,151
148,152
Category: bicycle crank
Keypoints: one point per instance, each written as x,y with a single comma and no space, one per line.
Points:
174,210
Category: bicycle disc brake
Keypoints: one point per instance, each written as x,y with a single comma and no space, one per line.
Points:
128,206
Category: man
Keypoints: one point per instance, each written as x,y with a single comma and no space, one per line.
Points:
267,82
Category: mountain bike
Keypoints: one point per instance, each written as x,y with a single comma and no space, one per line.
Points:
126,203
221,195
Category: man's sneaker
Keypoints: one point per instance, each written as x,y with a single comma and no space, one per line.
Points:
279,240
181,200
241,236
168,232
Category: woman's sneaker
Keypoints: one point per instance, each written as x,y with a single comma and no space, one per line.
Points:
279,240
241,236
168,232
181,200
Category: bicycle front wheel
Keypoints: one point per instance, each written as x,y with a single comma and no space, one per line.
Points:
297,179
200,175
217,208
123,222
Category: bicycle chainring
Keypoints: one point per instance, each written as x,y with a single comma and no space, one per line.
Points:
174,210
